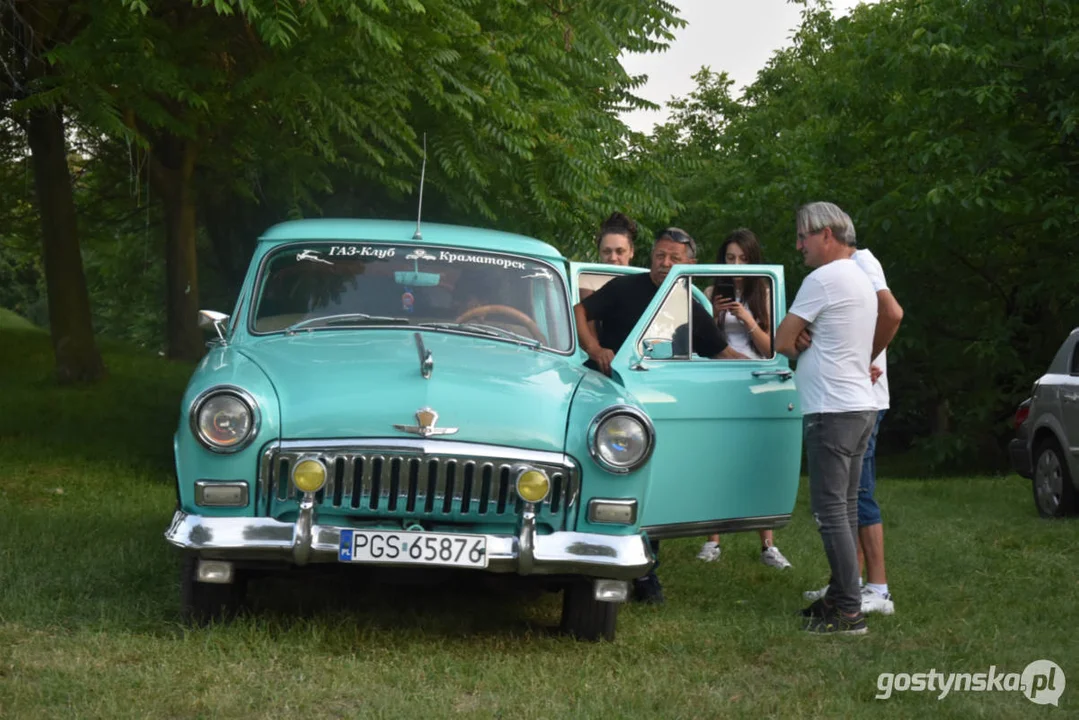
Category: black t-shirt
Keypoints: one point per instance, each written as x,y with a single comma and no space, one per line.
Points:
618,305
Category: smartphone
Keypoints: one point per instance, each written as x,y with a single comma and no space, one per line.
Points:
724,288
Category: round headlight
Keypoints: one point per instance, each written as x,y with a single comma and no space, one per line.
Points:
224,420
309,475
533,485
621,439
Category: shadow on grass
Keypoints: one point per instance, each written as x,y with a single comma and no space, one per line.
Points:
444,604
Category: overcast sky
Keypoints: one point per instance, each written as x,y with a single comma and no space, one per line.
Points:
737,36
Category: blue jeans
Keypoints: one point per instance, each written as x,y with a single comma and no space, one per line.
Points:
868,509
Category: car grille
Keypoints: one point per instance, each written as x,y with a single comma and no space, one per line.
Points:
420,479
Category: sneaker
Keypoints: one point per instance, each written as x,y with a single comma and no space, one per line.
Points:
872,601
816,609
709,552
648,590
812,595
833,622
773,558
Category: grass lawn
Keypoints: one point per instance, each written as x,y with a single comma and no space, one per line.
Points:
13,321
89,600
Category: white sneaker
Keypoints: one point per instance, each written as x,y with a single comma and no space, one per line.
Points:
709,552
773,558
813,595
872,601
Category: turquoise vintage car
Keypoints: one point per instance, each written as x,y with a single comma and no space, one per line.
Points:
386,396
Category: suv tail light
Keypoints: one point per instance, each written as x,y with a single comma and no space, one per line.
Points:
1021,413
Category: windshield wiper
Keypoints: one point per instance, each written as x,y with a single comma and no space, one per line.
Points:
492,330
342,318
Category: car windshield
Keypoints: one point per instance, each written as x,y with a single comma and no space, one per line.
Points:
334,285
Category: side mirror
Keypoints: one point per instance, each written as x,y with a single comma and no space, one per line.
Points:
658,349
216,320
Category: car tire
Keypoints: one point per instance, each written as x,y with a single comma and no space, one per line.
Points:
1054,494
204,603
584,617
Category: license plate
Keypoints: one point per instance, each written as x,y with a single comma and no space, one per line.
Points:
413,548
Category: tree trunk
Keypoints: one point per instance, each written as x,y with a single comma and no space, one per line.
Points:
172,167
77,356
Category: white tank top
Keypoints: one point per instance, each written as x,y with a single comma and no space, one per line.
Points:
737,335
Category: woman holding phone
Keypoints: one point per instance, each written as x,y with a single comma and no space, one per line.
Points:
742,309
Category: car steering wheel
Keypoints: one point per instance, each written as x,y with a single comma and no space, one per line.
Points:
505,311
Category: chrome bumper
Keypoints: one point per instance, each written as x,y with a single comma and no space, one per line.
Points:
617,557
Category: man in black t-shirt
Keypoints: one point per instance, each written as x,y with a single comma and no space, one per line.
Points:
619,304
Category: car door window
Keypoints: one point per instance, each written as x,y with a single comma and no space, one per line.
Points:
590,282
672,322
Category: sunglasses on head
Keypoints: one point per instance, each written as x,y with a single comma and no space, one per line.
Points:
678,236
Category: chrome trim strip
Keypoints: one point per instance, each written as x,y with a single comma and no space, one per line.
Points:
601,416
689,320
616,557
243,396
200,489
705,527
432,447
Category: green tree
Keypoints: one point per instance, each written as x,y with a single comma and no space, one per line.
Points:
519,99
32,95
948,130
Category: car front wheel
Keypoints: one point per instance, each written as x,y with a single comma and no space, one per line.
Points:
584,617
204,603
1054,494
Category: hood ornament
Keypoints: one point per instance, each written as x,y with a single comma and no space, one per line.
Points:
425,427
427,360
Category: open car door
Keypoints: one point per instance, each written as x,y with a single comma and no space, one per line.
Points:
728,432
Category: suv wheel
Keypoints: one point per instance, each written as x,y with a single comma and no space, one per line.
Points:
584,617
204,603
1054,494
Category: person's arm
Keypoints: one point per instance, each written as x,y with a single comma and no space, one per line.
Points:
787,335
758,334
729,353
586,335
708,340
889,315
793,336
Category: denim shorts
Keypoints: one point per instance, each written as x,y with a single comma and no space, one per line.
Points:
868,509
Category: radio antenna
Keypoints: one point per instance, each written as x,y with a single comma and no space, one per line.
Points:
423,172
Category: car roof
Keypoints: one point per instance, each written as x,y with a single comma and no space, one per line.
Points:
401,231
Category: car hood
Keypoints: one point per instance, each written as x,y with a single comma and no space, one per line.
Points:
353,384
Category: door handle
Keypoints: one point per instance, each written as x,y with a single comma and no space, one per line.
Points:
781,374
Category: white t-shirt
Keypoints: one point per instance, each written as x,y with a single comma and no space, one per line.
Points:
838,303
871,267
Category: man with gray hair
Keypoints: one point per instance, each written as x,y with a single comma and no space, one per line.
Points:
837,304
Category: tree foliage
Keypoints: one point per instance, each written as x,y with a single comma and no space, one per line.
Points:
279,102
949,131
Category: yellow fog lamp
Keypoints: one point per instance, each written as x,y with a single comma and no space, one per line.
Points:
309,475
532,484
